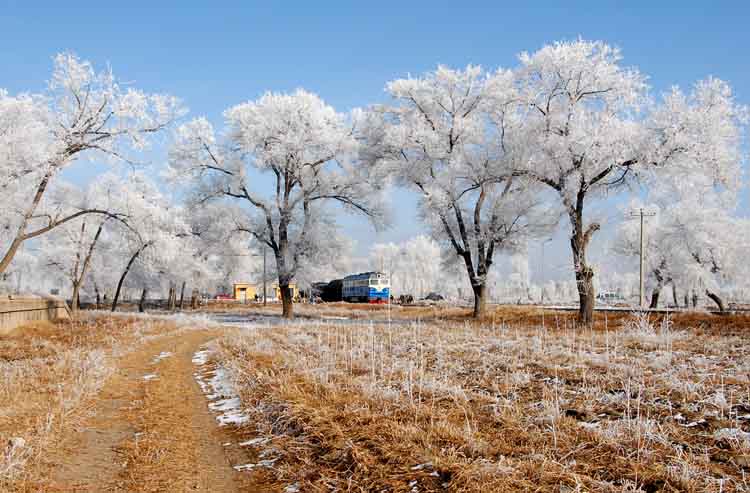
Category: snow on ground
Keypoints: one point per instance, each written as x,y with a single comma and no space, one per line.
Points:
150,376
216,385
262,463
161,356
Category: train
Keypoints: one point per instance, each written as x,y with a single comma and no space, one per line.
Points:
366,287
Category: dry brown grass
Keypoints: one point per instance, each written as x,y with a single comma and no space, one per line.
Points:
632,405
49,374
512,315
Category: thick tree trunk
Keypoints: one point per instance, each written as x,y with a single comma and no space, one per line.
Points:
182,295
125,274
674,295
584,274
172,297
716,299
21,232
584,279
480,300
586,295
142,302
655,297
287,307
74,303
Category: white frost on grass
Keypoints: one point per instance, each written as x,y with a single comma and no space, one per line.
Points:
150,376
217,386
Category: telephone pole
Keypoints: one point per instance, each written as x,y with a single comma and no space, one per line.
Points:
642,290
264,275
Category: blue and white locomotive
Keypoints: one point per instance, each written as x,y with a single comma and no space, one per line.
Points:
367,287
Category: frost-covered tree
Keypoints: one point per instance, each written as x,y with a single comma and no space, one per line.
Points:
70,248
153,239
451,137
588,121
692,245
311,155
83,114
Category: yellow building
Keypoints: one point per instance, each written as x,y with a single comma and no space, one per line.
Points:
292,287
244,291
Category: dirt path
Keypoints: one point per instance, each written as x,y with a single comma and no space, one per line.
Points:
151,429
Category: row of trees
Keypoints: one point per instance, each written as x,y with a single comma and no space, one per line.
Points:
496,158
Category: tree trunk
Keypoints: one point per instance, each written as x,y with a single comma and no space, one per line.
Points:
655,297
182,295
125,273
586,295
674,295
286,301
74,304
98,297
78,280
579,242
20,233
172,297
480,300
142,302
716,299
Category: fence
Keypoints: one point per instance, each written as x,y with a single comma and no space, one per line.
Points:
22,310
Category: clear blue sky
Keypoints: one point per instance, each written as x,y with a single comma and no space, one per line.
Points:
215,56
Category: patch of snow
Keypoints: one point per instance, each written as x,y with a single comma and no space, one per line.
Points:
161,356
693,424
232,418
292,488
250,466
255,441
589,426
419,467
150,376
225,404
217,386
201,357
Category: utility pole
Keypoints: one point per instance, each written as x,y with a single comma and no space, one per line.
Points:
264,275
542,269
642,290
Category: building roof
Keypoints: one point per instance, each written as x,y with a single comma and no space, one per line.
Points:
364,275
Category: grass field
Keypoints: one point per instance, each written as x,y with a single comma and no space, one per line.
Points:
632,405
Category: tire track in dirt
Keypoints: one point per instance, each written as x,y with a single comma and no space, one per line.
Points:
151,434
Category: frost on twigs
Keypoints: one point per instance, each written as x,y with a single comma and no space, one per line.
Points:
83,114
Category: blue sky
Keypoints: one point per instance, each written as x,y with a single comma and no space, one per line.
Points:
215,56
